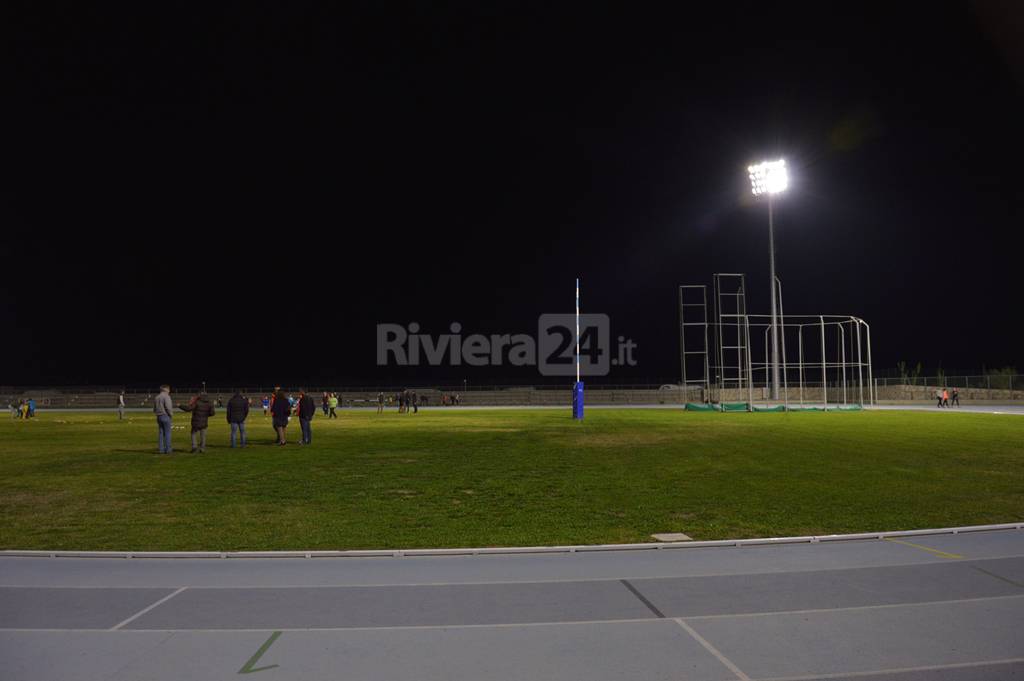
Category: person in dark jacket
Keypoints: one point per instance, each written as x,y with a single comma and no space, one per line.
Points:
238,411
202,409
280,410
307,409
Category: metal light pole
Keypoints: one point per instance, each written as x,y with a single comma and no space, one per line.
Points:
770,177
775,317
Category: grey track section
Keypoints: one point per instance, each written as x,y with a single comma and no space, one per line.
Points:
711,596
327,607
806,644
981,672
41,607
932,608
643,650
513,603
273,572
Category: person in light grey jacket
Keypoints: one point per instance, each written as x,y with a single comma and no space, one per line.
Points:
164,410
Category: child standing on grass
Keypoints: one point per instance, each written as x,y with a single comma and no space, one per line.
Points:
266,404
332,404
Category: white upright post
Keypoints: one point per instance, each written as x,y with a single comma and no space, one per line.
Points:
824,375
860,364
577,329
577,389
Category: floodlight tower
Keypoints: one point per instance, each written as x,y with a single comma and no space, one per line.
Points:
770,177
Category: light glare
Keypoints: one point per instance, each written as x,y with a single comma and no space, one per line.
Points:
768,177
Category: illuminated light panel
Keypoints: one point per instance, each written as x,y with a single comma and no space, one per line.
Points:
768,177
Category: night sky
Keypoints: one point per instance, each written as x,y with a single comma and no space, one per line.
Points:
241,194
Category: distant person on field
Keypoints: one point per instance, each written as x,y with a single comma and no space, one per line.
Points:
380,403
120,406
266,405
280,409
945,397
324,403
31,407
15,410
22,410
202,409
306,409
332,404
400,398
238,411
163,408
938,396
956,397
414,400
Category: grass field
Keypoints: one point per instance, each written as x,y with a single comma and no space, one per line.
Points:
503,477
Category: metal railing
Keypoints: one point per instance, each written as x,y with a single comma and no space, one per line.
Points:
979,382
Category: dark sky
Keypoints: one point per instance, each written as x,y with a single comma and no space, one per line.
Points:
241,193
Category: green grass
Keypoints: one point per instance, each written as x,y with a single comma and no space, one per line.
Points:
503,477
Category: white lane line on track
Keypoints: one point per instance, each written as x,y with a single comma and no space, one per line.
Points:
142,612
854,608
564,580
895,670
410,627
538,624
714,651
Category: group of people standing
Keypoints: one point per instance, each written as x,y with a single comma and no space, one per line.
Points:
409,402
24,409
329,403
943,397
280,405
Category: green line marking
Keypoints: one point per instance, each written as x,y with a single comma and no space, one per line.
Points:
248,668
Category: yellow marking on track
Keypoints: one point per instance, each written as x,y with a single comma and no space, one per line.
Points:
941,554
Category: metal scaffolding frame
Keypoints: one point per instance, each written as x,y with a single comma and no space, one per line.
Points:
835,374
700,327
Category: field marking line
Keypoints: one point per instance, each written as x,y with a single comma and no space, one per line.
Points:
940,554
999,577
895,670
635,592
852,608
713,650
248,667
142,612
632,620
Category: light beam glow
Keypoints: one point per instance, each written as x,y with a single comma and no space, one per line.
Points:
768,177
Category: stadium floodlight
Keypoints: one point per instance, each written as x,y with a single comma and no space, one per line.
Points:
770,177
